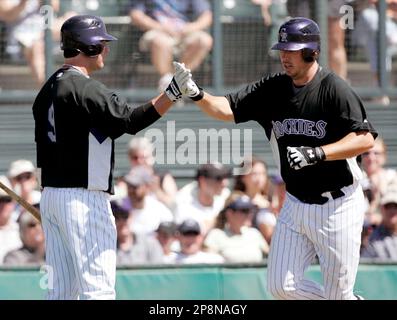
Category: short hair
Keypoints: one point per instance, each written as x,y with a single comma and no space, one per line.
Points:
141,143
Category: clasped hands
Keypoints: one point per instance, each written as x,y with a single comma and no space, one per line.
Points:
183,85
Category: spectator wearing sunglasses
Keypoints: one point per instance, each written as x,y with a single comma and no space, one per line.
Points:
32,252
22,175
377,179
9,234
233,237
202,199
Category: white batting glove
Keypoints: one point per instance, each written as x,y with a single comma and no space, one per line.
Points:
299,157
184,80
173,91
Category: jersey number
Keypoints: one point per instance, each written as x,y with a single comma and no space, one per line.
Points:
51,124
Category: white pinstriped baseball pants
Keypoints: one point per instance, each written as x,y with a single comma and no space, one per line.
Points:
332,231
80,236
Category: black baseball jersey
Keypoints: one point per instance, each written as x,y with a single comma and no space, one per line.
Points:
76,121
322,112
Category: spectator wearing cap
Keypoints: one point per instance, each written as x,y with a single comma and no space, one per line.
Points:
383,240
232,236
204,198
133,248
9,230
32,251
22,175
255,184
145,210
163,186
166,236
191,239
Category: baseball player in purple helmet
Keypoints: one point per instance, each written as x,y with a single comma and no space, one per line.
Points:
77,120
316,126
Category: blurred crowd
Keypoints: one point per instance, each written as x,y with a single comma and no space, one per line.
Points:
172,29
215,218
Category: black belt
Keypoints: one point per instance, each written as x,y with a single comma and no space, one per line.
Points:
319,199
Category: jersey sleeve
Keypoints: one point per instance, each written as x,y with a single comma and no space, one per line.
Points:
351,112
112,115
248,103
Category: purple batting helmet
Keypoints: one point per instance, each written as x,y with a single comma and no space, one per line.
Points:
297,34
84,33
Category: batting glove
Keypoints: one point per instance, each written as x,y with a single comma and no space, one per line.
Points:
299,157
173,91
183,78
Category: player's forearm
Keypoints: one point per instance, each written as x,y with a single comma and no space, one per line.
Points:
350,146
216,107
145,115
162,103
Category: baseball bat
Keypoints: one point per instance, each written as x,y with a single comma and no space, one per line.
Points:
22,202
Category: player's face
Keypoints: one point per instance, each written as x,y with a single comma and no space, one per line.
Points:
98,62
103,55
293,64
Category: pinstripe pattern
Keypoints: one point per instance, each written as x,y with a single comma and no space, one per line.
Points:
80,243
332,232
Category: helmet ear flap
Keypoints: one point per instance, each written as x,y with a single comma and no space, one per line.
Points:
309,55
92,50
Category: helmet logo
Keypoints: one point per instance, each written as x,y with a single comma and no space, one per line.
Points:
283,35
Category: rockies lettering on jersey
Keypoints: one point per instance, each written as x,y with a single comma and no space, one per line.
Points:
299,127
322,112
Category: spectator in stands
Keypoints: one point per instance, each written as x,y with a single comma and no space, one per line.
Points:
232,237
173,27
146,211
22,175
163,186
377,179
366,35
265,6
134,248
9,230
166,236
337,58
26,29
255,185
191,239
32,251
202,199
383,240
277,193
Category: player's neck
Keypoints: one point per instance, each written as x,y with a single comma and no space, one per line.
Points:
77,64
307,75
